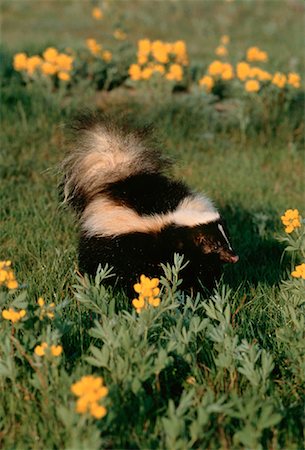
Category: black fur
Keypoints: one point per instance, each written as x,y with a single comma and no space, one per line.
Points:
148,193
134,254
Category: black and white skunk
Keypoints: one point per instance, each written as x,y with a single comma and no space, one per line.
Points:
132,215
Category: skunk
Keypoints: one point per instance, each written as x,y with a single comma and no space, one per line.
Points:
132,214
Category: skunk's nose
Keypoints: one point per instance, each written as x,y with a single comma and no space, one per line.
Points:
234,259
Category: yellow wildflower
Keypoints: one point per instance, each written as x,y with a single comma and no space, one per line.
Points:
148,291
90,390
242,70
40,302
159,52
32,64
207,82
64,62
279,80
54,350
144,46
252,86
48,68
215,68
299,271
179,49
50,55
64,76
221,50
294,79
45,310
97,13
39,350
107,56
291,219
227,72
147,73
12,315
175,72
255,54
158,68
142,58
7,276
93,46
135,72
20,61
97,410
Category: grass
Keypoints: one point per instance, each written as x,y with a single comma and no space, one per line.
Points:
220,372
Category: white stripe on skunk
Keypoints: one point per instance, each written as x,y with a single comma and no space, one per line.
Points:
103,217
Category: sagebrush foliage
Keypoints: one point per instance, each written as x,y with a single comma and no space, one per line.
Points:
190,373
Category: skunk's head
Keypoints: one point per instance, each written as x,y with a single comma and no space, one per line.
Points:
212,239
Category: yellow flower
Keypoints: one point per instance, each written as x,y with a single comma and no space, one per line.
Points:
64,62
291,219
221,50
147,73
39,350
107,56
225,39
147,290
175,72
252,86
97,411
135,72
299,271
215,68
12,315
179,49
20,61
144,46
242,70
64,76
56,350
279,80
48,68
158,68
207,82
32,64
90,390
255,54
50,55
142,58
160,52
7,276
93,46
40,302
97,13
294,79
227,72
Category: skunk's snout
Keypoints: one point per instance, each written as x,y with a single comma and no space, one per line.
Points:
234,259
229,258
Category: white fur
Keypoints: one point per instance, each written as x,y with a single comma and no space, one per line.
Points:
220,227
103,217
102,156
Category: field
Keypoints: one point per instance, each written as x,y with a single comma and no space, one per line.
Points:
80,367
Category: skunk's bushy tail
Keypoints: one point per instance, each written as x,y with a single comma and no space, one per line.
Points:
102,152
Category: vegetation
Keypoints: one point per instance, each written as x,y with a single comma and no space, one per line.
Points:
84,367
